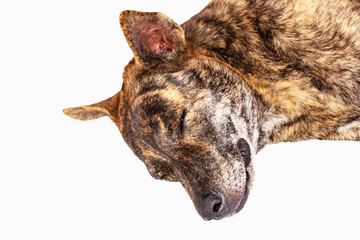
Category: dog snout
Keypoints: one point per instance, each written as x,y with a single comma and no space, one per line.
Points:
213,206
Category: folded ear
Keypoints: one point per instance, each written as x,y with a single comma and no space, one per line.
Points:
152,36
108,107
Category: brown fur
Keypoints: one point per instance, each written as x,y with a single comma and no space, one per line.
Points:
259,71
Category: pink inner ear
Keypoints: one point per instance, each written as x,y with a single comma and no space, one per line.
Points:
155,38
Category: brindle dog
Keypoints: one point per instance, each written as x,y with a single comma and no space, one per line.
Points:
200,99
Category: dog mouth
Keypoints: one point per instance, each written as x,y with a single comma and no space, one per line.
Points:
244,149
245,195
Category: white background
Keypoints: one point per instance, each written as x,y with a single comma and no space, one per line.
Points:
66,179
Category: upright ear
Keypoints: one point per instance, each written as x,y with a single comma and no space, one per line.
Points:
152,36
108,107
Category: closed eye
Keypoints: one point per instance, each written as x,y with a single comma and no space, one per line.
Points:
181,125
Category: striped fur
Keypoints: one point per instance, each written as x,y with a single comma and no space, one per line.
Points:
263,71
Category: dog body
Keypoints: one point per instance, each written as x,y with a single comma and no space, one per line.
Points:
200,99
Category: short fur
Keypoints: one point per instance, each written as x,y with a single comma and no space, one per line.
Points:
258,71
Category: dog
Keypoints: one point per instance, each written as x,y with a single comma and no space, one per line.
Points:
200,99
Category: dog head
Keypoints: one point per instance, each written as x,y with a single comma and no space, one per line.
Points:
188,117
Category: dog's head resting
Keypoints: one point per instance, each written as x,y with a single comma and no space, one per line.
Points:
188,117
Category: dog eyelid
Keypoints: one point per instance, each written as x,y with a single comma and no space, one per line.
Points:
181,125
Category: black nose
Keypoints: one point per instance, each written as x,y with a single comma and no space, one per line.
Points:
213,206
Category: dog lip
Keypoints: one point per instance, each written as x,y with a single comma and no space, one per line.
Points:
244,196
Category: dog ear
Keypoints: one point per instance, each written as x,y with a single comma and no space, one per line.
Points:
108,107
152,36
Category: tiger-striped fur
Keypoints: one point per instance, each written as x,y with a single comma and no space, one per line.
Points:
200,99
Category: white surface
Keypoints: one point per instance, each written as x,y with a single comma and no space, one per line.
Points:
65,179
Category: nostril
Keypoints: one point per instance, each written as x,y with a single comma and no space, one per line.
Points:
213,206
217,207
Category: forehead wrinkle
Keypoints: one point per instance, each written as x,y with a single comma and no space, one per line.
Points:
159,107
169,94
